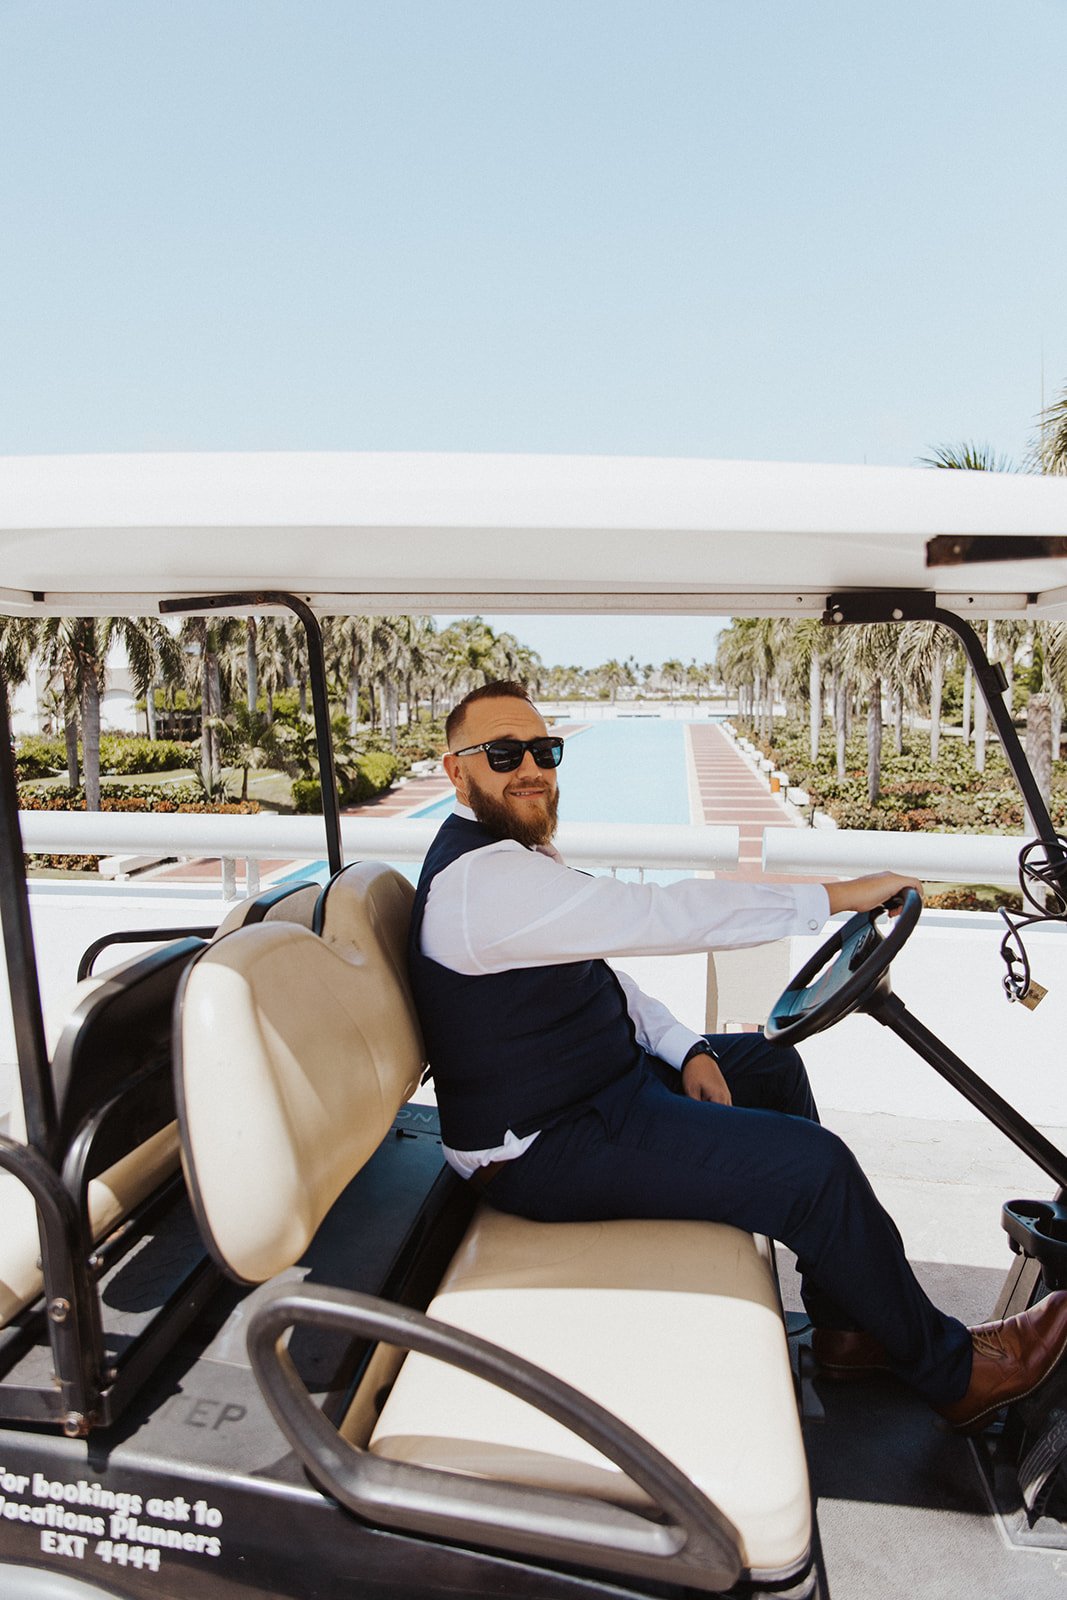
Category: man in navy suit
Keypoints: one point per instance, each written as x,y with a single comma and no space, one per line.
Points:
567,1094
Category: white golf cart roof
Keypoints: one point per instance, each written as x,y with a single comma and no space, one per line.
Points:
351,533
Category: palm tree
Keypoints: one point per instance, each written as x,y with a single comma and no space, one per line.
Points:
420,661
209,640
674,674
295,652
735,662
271,660
389,637
926,649
612,675
809,645
77,649
871,656
249,741
967,457
1053,637
974,458
251,663
347,644
516,661
700,677
1049,454
18,639
468,647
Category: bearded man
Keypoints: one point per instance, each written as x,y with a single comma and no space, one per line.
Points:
566,1094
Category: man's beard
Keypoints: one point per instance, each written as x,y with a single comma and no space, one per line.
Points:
499,817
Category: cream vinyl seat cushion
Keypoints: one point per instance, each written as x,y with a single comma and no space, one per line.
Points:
673,1326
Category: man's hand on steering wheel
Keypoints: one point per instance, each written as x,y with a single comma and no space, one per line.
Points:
850,972
874,889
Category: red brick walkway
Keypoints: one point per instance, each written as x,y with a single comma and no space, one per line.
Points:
733,796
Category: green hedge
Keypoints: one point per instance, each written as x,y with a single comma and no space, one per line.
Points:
915,796
307,796
37,757
121,755
375,771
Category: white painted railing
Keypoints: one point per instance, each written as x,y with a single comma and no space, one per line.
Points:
939,857
804,852
267,836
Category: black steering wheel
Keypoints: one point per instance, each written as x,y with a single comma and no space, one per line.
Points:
856,980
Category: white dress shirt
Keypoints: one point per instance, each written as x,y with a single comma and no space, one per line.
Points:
505,906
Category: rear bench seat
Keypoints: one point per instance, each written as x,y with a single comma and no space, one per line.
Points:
89,1043
675,1328
116,1192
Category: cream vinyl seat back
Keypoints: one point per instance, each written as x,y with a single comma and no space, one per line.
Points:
293,1053
284,902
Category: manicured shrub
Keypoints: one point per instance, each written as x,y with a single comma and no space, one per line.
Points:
62,863
119,754
37,757
375,770
979,899
950,797
307,797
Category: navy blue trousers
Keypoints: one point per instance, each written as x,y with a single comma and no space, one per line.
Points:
642,1148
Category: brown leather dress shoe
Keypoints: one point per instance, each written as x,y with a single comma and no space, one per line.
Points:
1011,1358
847,1353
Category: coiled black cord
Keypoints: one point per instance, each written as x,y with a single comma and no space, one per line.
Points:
1043,887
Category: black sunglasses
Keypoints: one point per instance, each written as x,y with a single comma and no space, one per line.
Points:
505,755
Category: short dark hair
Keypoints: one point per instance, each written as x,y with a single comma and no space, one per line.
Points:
501,689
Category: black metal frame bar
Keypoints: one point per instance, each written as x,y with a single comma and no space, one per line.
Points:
892,1012
916,605
268,599
71,1303
136,936
38,1095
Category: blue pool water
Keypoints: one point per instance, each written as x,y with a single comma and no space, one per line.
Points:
630,770
625,771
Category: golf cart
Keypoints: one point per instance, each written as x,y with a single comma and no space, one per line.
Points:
256,1338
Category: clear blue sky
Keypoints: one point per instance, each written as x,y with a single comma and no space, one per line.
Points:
831,231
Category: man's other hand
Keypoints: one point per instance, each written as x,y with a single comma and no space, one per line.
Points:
702,1080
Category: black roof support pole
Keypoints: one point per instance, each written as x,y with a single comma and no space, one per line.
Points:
916,605
271,599
38,1093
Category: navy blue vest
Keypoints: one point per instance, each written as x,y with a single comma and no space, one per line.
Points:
517,1049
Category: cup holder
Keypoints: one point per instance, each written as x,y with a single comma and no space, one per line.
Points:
1038,1228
